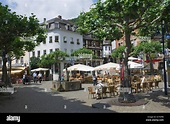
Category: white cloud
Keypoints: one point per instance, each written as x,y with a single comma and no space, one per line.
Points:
50,8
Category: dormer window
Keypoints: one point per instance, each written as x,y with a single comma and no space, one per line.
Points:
67,26
57,25
51,25
73,28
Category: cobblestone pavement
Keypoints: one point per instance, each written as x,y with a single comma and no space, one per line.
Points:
38,98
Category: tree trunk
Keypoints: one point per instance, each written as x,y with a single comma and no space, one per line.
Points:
5,78
151,65
10,68
126,83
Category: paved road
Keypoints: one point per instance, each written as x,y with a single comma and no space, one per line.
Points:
38,98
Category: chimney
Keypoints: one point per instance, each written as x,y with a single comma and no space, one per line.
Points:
59,16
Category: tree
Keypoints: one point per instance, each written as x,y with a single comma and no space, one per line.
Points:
34,62
17,34
118,53
150,49
54,58
113,19
85,51
80,51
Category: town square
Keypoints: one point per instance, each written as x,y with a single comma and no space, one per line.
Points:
85,56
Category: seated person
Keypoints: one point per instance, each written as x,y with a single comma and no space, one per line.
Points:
98,89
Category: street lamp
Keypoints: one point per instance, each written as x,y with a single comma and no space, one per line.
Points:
163,44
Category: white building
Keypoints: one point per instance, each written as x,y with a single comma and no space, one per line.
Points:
107,48
62,36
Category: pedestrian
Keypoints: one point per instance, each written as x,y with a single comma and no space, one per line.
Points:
40,77
94,80
35,77
23,78
62,77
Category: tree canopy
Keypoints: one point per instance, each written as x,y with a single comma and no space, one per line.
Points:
17,34
52,58
113,19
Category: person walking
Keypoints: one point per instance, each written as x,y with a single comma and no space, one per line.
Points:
24,78
35,77
40,77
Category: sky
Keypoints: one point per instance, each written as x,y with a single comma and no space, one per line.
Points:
49,9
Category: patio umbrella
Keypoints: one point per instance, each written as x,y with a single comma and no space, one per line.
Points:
80,67
131,58
107,66
134,65
40,69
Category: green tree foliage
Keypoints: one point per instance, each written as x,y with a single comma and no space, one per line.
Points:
81,51
34,62
17,34
113,19
118,53
53,58
149,49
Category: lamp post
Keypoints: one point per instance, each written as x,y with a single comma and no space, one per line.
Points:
163,44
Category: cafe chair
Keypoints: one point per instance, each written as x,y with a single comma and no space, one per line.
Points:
91,92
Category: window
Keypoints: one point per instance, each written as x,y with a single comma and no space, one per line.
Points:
38,53
98,53
33,54
50,39
105,47
109,48
78,42
44,52
51,50
73,28
16,61
65,50
67,27
94,44
44,42
56,49
71,51
71,38
51,25
89,43
22,60
57,25
97,44
65,39
56,38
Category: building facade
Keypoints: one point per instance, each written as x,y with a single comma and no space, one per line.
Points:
61,35
96,46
